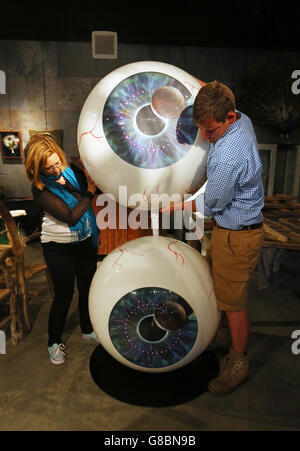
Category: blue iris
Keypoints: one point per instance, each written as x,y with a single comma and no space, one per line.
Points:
136,336
132,129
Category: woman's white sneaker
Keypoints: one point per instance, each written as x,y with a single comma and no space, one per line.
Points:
57,353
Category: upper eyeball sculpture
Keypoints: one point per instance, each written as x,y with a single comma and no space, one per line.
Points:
152,301
136,130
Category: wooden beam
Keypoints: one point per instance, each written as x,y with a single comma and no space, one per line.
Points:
274,235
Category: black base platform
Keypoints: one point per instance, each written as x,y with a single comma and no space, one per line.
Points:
152,389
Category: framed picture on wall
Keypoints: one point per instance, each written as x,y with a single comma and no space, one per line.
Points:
11,147
292,170
268,154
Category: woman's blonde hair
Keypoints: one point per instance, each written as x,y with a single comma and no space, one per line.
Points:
37,151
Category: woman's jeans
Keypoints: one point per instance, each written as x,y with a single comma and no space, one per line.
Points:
67,262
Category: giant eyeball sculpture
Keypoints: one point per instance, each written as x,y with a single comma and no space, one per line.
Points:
152,304
136,130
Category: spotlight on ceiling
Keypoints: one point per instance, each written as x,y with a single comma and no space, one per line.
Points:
104,44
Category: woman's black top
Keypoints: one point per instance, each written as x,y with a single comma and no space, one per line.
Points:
57,208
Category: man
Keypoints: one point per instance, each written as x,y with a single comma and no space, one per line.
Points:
234,198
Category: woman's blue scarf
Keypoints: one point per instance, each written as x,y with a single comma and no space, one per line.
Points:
87,222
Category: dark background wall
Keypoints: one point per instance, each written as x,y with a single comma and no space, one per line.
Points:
47,58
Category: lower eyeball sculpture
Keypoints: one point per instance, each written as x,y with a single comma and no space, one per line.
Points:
152,304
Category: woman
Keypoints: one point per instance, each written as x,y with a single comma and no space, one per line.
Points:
69,234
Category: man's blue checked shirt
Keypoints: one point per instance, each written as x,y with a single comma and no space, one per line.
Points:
234,193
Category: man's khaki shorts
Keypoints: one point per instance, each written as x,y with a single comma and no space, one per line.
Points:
234,255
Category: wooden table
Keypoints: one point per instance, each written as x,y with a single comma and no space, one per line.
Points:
282,222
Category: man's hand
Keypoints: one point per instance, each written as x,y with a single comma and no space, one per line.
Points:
172,207
187,206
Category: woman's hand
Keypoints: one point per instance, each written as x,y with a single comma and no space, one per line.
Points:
91,184
92,187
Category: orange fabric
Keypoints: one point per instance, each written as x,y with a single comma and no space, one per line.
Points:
234,256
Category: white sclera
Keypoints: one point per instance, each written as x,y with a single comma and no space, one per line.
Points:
109,170
160,262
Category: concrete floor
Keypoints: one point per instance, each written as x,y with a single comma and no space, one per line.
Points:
37,396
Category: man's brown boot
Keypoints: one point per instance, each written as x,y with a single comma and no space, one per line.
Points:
233,371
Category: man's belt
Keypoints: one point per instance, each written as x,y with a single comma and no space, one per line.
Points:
248,227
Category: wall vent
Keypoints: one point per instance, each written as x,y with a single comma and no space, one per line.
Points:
104,44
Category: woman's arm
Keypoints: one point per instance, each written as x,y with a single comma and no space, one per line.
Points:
57,208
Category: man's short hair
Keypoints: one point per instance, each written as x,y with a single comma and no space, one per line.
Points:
214,100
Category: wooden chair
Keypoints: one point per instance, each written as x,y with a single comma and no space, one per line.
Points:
20,272
8,293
